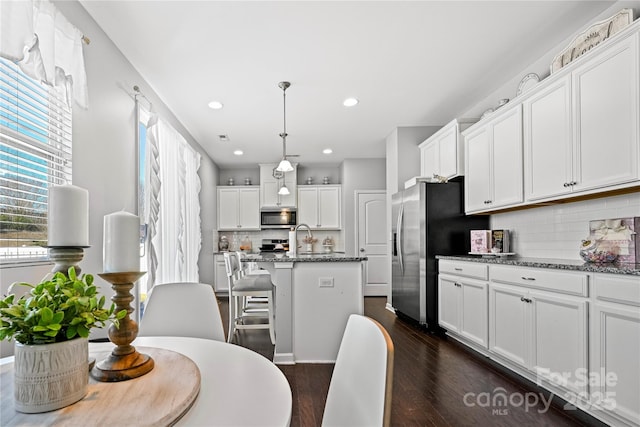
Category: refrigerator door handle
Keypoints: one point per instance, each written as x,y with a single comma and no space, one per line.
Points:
399,239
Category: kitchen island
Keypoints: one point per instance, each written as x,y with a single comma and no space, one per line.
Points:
315,294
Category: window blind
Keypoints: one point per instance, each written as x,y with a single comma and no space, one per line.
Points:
35,152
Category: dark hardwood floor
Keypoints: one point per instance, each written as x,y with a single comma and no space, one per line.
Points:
432,376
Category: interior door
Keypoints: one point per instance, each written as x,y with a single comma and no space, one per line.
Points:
371,241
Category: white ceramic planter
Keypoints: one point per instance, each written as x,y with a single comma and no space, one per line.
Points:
50,376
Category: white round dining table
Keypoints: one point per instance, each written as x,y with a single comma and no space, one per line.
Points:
238,387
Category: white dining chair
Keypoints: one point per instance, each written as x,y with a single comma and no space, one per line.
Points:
242,288
361,383
183,310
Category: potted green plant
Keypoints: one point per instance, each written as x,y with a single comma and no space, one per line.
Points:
51,324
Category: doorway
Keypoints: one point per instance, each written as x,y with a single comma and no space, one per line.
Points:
371,224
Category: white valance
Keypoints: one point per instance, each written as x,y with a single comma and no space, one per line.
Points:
45,45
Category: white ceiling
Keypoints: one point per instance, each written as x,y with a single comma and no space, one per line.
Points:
409,63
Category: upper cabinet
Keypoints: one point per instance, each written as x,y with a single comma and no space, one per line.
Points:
239,208
581,131
319,206
442,154
494,162
607,116
270,185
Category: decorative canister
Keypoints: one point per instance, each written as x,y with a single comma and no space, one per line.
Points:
325,180
247,181
223,244
309,180
50,376
230,181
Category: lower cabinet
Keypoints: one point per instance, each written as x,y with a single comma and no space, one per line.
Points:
463,308
574,333
615,347
541,332
220,274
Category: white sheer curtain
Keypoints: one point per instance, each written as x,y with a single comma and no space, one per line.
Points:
173,211
45,45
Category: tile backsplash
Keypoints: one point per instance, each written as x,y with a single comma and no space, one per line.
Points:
556,231
235,237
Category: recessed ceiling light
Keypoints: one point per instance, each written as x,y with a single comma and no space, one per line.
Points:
215,105
350,102
238,153
327,151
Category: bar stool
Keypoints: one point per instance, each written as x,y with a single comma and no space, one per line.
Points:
242,288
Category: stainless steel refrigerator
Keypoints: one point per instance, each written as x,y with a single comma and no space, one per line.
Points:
427,220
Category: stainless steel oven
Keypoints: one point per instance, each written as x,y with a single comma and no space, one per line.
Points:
278,218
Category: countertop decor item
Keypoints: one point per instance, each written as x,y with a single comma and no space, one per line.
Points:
247,181
124,362
527,82
50,325
223,244
309,180
325,180
592,251
121,250
591,37
230,181
68,216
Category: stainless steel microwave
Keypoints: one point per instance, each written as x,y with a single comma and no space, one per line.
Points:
278,218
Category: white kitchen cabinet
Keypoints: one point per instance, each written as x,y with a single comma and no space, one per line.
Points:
442,153
548,141
493,162
535,316
220,274
615,346
319,206
269,187
239,208
581,131
463,308
607,116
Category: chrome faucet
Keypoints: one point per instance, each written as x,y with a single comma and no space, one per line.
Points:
295,244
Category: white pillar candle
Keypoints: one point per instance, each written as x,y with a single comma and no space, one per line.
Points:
121,251
68,216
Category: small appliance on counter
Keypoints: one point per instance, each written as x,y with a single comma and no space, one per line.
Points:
277,246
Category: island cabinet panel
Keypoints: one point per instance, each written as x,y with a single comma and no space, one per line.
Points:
324,295
239,208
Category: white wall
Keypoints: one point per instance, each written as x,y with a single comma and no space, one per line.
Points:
541,66
358,174
556,231
104,150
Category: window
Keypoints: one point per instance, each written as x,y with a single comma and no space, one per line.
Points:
35,152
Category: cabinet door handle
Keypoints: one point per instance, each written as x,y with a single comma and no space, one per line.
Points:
457,268
457,284
528,278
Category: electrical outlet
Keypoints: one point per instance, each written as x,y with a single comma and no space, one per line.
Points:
325,282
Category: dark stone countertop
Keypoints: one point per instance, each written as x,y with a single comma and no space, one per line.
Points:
315,257
560,264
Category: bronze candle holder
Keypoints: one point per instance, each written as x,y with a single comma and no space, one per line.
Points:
124,362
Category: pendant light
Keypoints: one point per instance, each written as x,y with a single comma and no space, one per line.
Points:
285,165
